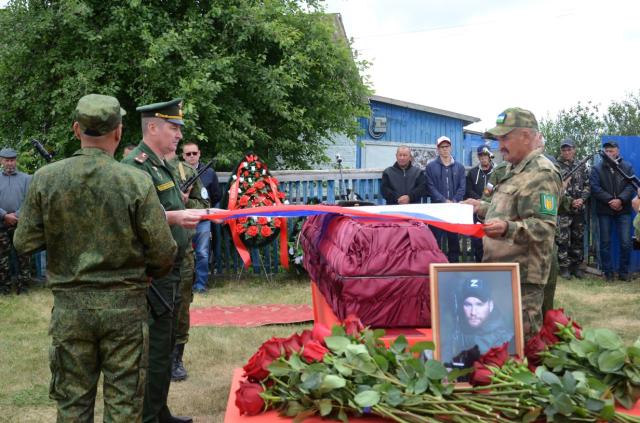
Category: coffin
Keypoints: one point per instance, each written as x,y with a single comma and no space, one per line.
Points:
377,270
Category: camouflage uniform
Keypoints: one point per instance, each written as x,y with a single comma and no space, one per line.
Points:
571,221
526,198
187,271
105,233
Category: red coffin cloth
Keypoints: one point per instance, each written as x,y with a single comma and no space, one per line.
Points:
377,270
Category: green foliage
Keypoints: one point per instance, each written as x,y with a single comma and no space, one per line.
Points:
582,123
268,76
623,118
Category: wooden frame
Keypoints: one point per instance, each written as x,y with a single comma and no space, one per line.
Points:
452,320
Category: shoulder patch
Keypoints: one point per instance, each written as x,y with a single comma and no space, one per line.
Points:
548,204
142,157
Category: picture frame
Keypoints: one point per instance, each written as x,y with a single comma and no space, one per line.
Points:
475,306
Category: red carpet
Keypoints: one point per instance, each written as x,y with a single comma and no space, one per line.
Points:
251,315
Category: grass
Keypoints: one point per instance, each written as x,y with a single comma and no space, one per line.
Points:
213,353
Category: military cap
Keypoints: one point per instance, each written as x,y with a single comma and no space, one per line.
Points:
611,144
8,153
567,142
510,119
169,110
98,114
476,288
483,149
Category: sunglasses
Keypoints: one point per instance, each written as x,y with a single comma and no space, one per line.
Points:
191,153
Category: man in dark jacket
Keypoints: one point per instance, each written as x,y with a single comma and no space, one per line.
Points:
446,184
476,184
613,197
403,183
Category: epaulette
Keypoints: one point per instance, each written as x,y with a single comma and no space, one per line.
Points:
142,157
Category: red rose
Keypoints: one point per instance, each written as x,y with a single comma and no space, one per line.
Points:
246,173
243,220
257,174
352,325
273,347
265,231
252,231
248,399
277,222
292,344
259,184
256,367
240,228
244,200
306,336
313,350
250,190
245,185
535,345
481,375
281,195
258,165
319,332
496,356
553,318
267,202
547,335
262,220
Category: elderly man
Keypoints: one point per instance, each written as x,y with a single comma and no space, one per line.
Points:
105,233
520,220
403,183
613,195
13,189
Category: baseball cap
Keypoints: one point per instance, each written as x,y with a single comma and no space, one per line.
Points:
568,142
483,149
443,139
8,153
610,144
477,288
510,119
98,114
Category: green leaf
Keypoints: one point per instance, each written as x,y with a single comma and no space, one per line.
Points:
569,383
342,368
293,408
279,368
435,370
532,415
357,349
394,397
331,382
608,339
296,363
367,398
418,347
338,330
311,381
305,414
342,416
608,411
399,345
549,378
594,404
325,406
611,361
421,385
337,344
563,404
381,361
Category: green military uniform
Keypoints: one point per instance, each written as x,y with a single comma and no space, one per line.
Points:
526,197
105,233
162,321
183,172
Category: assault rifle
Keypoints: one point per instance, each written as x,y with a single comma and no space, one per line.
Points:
184,187
632,179
577,167
48,156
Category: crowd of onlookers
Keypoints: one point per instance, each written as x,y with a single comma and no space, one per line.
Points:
445,180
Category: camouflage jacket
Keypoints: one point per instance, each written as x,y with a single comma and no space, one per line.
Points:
100,222
526,197
578,185
167,188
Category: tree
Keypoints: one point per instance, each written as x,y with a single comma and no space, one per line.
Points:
268,76
582,123
623,118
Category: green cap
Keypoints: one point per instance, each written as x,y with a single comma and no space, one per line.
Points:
98,114
169,110
510,119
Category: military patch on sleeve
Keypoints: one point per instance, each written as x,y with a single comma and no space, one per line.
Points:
548,204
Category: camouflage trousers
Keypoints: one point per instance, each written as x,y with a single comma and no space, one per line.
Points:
570,238
93,332
23,261
532,300
550,287
187,273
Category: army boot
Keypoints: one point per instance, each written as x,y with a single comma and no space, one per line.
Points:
577,272
178,372
564,272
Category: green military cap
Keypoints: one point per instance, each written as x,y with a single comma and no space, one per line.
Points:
98,114
169,110
510,119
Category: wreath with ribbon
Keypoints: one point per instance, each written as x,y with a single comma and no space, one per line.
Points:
251,185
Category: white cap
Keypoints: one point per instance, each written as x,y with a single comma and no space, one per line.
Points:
443,139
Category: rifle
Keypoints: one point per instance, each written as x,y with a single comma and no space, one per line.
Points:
632,179
41,150
192,180
577,167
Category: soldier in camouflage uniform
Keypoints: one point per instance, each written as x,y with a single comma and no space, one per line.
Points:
520,220
182,172
105,234
161,131
571,221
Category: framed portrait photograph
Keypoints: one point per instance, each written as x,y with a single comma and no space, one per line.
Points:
474,307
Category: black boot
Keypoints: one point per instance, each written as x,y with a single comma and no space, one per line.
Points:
577,272
165,416
564,273
178,372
